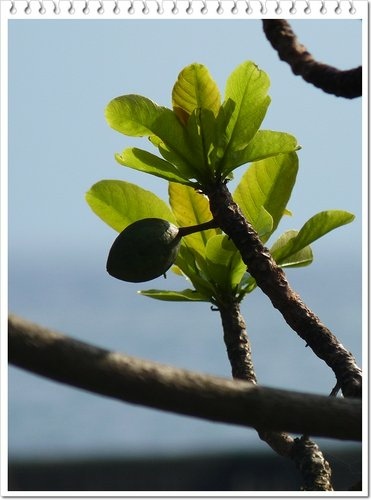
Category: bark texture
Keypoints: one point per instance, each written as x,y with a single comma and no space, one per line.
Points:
129,379
272,281
347,83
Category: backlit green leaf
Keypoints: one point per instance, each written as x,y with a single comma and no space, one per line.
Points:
195,141
194,89
191,208
265,143
133,115
193,266
263,224
316,227
144,161
303,257
202,136
179,161
247,87
137,116
267,183
120,203
247,284
224,262
186,295
221,142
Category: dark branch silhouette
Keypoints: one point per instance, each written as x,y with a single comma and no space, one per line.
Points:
114,375
346,83
272,281
237,342
306,455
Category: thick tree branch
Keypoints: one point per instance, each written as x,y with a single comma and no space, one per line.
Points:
272,281
146,383
331,80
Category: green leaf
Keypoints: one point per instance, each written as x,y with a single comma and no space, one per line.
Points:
176,159
303,257
193,267
144,161
224,262
138,116
120,203
195,141
221,138
247,285
186,295
191,208
263,224
172,157
194,89
247,87
266,143
202,136
267,183
316,227
133,115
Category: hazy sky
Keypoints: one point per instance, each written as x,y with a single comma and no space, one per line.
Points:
62,73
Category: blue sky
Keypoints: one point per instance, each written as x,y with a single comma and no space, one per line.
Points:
62,73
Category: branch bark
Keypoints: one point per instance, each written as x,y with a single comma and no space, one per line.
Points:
272,281
308,458
237,342
346,83
129,379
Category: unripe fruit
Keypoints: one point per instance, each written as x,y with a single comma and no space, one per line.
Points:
144,250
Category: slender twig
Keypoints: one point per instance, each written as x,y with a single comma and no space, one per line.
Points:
346,83
237,341
185,230
272,281
114,375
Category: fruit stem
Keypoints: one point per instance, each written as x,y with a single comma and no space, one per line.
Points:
183,231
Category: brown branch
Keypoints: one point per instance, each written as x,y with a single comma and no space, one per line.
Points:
314,467
114,375
272,281
331,80
237,341
305,454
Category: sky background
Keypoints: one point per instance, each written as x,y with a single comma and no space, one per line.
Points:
62,74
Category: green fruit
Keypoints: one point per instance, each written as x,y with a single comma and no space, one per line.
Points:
144,250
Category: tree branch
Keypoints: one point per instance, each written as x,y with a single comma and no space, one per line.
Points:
236,341
306,455
331,80
312,464
272,281
114,375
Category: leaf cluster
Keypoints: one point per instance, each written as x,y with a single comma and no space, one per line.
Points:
201,141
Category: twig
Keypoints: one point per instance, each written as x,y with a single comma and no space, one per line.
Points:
114,375
237,342
331,80
272,281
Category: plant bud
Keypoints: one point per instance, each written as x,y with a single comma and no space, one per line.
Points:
144,250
